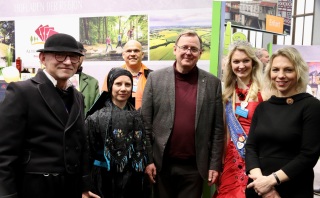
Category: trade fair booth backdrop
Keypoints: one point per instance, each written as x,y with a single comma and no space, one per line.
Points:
25,25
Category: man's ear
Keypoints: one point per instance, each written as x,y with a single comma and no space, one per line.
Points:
42,58
174,50
79,70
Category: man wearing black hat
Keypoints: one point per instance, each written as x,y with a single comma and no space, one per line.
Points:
43,147
89,86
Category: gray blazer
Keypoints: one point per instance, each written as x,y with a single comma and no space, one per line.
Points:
158,109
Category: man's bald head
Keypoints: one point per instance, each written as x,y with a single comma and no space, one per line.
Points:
132,53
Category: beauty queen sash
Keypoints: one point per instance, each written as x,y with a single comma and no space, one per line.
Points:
238,136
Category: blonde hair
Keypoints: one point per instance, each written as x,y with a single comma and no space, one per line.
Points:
230,78
300,66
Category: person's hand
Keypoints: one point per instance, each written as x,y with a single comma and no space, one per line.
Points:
89,194
254,176
151,171
212,177
218,182
261,185
271,194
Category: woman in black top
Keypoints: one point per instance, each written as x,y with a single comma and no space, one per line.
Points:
117,140
283,143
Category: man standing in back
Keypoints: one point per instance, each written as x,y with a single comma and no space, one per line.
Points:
263,56
133,55
89,86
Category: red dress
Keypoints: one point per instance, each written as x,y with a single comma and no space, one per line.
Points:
233,180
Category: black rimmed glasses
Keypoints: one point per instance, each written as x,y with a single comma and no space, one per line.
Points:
61,57
185,49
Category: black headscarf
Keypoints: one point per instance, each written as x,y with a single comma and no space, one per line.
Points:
112,76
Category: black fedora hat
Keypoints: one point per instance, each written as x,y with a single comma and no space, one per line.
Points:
61,43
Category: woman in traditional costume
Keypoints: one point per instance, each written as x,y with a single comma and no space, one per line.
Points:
117,140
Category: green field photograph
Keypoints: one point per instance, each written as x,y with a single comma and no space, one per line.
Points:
165,28
104,37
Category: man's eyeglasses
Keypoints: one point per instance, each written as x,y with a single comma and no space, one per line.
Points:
61,57
185,48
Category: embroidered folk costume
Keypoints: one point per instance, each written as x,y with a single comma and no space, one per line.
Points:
117,146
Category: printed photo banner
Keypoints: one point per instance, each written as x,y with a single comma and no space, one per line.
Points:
35,20
155,24
28,8
272,16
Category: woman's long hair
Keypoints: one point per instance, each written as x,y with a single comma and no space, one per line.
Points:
230,78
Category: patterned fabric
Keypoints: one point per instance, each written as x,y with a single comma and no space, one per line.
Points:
117,137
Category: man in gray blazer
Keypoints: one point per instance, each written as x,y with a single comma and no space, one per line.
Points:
183,117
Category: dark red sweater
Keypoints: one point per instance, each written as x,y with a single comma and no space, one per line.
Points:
181,144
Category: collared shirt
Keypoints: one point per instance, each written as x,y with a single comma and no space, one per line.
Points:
55,82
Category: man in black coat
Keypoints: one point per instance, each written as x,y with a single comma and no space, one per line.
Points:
43,146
